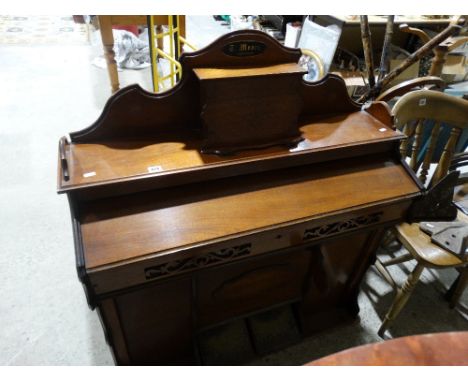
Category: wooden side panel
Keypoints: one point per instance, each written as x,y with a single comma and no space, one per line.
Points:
335,272
157,323
113,330
133,113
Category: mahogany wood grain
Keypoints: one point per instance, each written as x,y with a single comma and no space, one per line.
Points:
133,112
330,299
157,324
109,316
437,349
113,160
160,220
242,288
171,242
238,289
214,55
267,110
281,238
327,96
147,114
380,111
323,289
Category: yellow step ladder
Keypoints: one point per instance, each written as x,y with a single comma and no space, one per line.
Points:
176,41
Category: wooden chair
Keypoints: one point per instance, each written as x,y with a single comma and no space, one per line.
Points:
410,112
441,51
435,83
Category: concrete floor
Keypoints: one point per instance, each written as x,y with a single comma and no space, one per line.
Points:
46,92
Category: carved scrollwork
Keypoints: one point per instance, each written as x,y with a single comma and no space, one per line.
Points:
342,226
178,266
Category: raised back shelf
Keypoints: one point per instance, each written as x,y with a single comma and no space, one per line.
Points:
253,105
177,160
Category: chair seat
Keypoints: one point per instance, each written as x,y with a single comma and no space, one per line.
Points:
420,246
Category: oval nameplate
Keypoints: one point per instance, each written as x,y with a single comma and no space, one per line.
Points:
244,48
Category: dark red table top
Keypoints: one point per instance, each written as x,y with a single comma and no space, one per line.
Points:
442,349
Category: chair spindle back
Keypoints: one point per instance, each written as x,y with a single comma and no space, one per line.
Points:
412,111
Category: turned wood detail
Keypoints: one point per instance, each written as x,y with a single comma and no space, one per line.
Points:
403,295
408,130
342,226
447,155
108,45
178,266
420,107
438,62
417,144
441,52
429,152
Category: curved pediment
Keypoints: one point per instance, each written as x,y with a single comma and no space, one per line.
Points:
329,95
134,113
246,48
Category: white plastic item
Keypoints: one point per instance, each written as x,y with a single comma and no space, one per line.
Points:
321,40
293,31
239,22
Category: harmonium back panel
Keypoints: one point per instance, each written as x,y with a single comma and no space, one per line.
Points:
236,212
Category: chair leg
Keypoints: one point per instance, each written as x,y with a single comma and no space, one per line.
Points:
386,274
403,294
457,288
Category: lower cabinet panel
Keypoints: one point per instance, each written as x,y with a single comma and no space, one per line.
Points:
157,323
240,288
335,271
163,323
